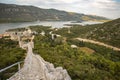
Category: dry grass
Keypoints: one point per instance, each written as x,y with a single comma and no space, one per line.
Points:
87,50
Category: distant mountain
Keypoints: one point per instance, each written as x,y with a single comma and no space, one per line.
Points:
19,13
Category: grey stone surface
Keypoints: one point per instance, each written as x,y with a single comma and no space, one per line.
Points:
36,68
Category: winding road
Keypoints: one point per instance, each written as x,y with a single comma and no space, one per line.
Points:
98,43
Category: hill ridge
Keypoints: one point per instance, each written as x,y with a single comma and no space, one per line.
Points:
19,13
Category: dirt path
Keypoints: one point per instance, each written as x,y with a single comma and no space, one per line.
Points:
99,43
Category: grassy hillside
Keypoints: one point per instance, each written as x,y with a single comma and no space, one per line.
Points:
108,32
99,64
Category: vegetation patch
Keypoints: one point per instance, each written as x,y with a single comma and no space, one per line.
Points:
10,53
104,64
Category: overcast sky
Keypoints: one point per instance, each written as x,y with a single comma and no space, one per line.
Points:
106,8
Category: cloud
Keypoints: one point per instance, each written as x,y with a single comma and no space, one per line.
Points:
107,8
107,4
